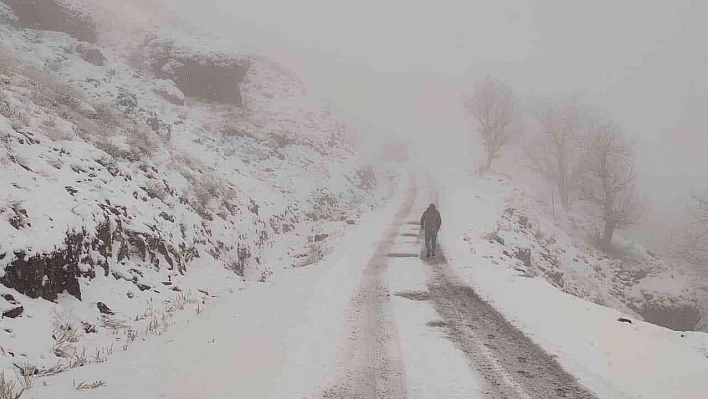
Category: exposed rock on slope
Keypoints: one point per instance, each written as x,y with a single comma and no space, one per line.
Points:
54,15
91,54
674,313
204,74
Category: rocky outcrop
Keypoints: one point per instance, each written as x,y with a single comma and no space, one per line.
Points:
49,274
14,313
91,54
53,15
104,309
211,76
671,313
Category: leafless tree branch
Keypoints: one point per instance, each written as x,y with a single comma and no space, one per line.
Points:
609,180
495,107
555,151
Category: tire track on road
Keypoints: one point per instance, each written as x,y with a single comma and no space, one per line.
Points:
510,362
513,365
371,365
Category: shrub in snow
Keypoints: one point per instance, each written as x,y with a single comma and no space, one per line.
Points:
9,388
17,214
524,255
88,385
156,189
142,141
315,252
127,100
281,140
64,333
6,108
107,145
106,114
367,177
324,206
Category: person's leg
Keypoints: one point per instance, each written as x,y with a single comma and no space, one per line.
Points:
428,237
433,241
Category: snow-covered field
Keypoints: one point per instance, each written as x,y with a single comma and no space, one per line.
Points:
616,359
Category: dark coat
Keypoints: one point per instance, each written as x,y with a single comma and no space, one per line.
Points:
431,220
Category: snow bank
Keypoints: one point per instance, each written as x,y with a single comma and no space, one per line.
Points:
628,358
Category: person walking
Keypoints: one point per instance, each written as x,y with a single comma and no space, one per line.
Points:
430,222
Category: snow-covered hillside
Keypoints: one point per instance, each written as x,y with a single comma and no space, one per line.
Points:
137,180
504,243
539,240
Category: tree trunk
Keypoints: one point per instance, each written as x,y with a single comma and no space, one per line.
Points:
564,195
488,166
606,241
563,178
565,200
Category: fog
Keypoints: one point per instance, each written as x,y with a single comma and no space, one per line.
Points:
400,68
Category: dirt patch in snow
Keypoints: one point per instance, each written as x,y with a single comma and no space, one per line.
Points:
402,255
414,296
436,324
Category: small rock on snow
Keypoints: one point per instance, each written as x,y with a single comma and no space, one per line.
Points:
103,308
9,298
13,313
320,237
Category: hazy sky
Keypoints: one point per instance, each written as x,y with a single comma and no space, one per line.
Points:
402,65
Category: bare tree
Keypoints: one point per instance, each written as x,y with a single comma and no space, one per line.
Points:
495,107
555,151
609,179
694,244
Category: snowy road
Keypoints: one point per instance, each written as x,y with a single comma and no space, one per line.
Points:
510,362
375,321
404,345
